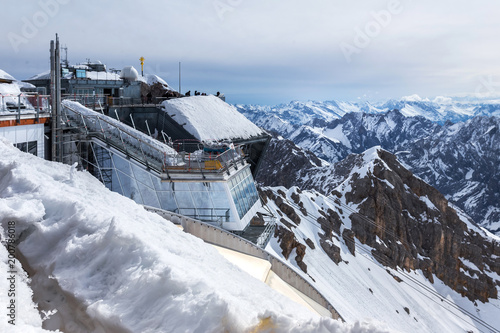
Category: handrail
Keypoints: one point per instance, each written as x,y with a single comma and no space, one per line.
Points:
264,238
25,101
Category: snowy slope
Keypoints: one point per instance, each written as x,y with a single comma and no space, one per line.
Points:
461,160
30,320
359,286
102,263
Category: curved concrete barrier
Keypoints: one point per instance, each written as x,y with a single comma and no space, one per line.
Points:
223,238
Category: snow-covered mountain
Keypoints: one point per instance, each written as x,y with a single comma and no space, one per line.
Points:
401,252
462,160
438,110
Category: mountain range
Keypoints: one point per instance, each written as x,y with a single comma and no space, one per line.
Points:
452,145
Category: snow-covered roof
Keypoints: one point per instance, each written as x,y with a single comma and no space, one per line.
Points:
151,79
6,76
10,88
92,75
41,76
129,73
210,119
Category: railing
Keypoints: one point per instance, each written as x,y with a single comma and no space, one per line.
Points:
146,150
28,103
213,216
268,232
90,101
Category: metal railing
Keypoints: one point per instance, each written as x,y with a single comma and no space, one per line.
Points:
27,103
93,101
146,150
214,216
268,232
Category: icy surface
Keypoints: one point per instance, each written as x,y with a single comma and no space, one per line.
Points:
209,119
112,266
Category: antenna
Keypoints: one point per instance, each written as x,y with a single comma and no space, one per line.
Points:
65,61
179,77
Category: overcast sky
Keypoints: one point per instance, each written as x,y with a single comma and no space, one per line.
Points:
273,51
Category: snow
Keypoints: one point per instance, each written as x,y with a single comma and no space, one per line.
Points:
138,134
26,318
209,119
338,134
151,79
6,76
100,262
9,93
359,287
92,75
428,202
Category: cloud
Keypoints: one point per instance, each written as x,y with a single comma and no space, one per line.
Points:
269,48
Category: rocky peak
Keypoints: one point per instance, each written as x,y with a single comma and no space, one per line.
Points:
406,223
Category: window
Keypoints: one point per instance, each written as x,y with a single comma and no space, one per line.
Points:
81,74
243,191
28,147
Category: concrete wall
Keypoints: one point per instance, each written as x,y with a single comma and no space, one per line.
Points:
220,237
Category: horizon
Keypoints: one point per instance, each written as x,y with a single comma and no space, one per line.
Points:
270,53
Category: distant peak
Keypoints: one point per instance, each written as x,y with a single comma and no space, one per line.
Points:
414,98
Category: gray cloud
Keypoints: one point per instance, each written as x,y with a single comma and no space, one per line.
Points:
268,52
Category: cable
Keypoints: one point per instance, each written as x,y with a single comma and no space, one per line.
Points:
382,261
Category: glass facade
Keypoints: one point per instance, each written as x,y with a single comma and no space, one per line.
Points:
243,191
206,201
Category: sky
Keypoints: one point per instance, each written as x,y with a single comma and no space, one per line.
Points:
270,52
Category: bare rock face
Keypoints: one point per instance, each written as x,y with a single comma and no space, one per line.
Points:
414,221
288,243
406,223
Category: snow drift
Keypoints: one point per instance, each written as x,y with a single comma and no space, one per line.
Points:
100,262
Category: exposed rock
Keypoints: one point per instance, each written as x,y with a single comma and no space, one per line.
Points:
348,237
288,243
331,250
310,243
401,227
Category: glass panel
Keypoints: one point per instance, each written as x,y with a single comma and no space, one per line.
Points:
115,183
181,187
32,148
184,199
202,199
22,146
197,187
217,187
167,201
122,165
129,187
142,176
149,196
220,200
